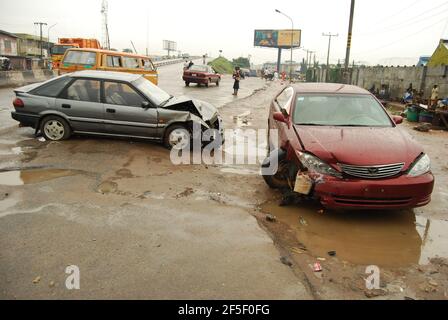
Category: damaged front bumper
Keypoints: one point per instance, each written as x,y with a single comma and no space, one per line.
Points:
402,192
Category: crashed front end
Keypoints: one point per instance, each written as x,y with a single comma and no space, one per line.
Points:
335,188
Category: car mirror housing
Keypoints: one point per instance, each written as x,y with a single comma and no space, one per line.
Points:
397,119
280,117
146,105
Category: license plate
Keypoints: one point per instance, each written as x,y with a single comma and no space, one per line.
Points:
193,74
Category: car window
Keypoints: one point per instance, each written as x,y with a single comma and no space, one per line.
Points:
199,68
80,57
340,110
122,94
84,90
131,63
150,90
147,65
284,99
113,62
53,88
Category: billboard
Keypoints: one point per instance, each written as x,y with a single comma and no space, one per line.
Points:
169,45
277,38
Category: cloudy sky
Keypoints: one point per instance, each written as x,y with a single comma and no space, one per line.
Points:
385,31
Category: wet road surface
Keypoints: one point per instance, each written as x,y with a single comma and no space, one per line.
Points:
139,227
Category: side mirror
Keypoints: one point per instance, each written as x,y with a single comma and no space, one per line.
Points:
278,116
397,119
146,105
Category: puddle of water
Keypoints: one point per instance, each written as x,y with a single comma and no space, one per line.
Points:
107,187
385,239
19,178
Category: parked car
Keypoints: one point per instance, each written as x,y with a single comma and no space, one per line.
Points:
338,144
201,74
110,104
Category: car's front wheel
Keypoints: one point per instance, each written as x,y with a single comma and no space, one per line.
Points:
177,136
55,128
187,84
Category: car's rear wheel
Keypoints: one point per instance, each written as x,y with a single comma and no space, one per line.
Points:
217,82
177,136
208,83
55,128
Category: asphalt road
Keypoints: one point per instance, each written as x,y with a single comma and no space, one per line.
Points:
137,226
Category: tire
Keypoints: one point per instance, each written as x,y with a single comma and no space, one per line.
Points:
208,83
178,130
187,84
55,128
277,181
217,82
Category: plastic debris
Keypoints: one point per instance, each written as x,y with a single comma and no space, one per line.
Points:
303,222
317,267
271,218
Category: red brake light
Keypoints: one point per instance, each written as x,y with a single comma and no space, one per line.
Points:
18,103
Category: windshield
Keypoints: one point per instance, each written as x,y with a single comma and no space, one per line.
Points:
80,57
60,49
153,92
199,68
340,110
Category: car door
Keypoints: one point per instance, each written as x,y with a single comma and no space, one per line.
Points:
128,112
282,101
81,103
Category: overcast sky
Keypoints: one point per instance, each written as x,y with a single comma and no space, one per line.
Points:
384,30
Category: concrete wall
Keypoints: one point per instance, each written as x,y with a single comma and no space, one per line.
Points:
399,78
20,78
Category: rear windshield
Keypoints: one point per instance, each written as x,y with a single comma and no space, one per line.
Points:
340,110
80,57
199,68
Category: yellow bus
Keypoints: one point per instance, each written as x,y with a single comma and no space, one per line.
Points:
106,60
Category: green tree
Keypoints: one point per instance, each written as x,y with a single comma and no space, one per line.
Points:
241,62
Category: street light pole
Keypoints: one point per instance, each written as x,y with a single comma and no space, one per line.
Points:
329,35
48,39
349,41
292,42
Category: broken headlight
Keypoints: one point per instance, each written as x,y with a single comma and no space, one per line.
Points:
315,164
421,166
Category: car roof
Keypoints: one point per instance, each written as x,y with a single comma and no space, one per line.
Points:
329,88
106,75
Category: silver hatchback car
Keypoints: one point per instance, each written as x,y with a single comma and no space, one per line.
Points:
111,104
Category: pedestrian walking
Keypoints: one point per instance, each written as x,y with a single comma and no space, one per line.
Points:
237,78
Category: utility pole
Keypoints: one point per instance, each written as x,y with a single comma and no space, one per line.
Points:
40,24
329,35
349,41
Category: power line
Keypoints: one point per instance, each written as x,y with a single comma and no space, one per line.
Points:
407,21
399,12
403,38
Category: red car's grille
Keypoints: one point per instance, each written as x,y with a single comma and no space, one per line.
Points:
372,201
372,172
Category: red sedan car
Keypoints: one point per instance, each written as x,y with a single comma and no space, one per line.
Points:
201,74
338,144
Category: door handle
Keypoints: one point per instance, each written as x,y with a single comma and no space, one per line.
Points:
66,106
111,110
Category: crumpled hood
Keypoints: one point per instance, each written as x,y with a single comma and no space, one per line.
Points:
360,146
205,109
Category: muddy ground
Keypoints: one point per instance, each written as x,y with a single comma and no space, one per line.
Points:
140,227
